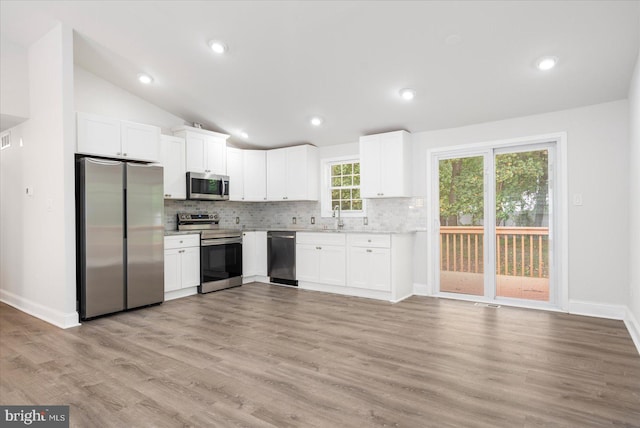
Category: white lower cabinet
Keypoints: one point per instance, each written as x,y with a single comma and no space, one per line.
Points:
181,262
321,258
254,256
370,265
370,268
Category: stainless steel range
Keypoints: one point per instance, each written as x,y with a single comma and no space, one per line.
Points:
220,251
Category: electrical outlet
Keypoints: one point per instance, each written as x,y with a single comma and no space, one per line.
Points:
365,220
237,220
313,220
294,220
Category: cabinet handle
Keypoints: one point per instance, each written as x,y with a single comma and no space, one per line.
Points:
369,251
181,242
318,248
124,154
368,240
167,195
118,153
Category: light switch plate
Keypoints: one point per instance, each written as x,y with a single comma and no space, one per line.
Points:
577,199
365,221
313,220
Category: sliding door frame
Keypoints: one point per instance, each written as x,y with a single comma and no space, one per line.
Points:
558,216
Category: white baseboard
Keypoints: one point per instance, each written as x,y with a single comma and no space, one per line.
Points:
599,310
177,294
52,316
420,289
634,328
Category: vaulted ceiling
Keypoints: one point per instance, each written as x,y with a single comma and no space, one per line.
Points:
288,61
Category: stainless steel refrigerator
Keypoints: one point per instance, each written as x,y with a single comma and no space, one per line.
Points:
120,236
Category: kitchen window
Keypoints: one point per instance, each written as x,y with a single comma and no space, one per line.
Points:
341,187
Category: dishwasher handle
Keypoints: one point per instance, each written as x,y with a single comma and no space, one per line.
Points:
281,237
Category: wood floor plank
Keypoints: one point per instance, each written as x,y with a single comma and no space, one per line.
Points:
270,356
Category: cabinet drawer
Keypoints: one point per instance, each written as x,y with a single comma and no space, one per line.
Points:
370,240
181,241
320,238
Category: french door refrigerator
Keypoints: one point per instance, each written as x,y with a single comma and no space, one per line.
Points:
120,236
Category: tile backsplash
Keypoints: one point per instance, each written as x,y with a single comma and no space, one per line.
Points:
394,214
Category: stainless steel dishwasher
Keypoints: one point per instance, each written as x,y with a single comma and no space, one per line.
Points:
281,257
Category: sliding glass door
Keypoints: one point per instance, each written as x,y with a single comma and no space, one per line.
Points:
494,222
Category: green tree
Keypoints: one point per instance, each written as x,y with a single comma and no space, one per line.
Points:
521,189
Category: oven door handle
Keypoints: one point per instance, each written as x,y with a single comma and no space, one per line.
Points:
220,241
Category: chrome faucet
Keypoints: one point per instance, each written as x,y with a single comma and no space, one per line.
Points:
340,221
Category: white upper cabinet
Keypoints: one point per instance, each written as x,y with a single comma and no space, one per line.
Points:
172,157
206,150
247,171
140,141
255,175
293,174
103,136
385,165
235,171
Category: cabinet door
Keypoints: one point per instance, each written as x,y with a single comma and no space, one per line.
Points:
261,253
98,135
391,165
276,175
173,161
248,253
333,264
255,175
140,142
379,269
296,173
358,267
307,263
195,152
235,171
190,266
172,274
216,155
370,166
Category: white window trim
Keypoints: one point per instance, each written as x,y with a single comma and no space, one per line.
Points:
326,210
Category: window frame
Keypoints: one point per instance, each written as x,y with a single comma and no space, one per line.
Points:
325,188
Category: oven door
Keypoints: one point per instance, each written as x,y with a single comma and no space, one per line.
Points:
220,263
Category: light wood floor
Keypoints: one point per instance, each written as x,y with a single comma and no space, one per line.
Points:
269,356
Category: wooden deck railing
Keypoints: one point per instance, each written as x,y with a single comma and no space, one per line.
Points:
520,251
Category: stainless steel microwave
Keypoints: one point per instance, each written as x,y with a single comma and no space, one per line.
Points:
207,187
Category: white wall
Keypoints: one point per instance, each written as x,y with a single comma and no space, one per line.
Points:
14,84
634,198
95,95
38,232
598,149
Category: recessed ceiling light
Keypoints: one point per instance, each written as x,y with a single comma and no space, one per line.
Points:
316,121
145,78
243,134
217,46
547,63
407,94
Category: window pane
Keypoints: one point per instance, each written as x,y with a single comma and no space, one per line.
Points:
336,182
346,205
357,204
356,180
334,204
346,194
347,168
356,168
335,170
355,194
335,194
346,181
